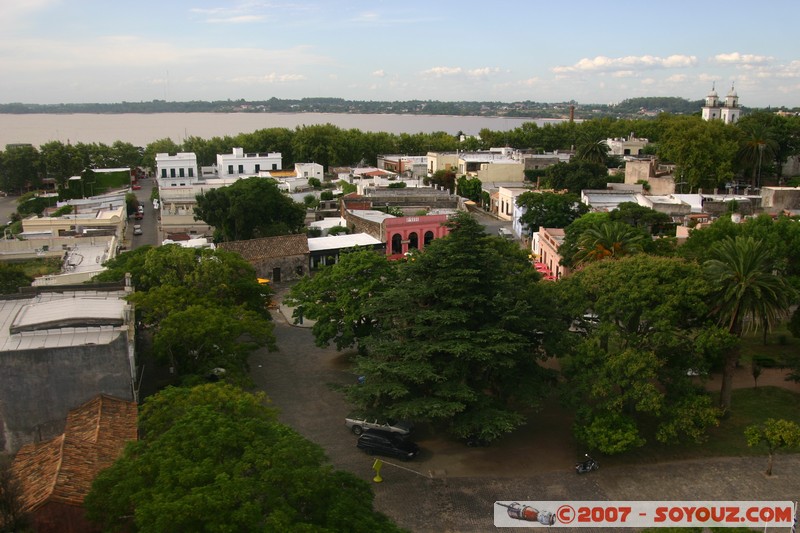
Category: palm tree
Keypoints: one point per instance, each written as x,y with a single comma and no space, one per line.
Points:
748,294
594,151
609,240
758,146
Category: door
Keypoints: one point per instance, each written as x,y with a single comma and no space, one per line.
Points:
276,275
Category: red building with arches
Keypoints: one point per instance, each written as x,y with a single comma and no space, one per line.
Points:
401,234
404,234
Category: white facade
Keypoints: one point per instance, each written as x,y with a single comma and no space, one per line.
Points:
309,170
507,200
239,164
729,111
176,170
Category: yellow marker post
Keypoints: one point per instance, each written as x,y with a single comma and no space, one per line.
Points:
376,466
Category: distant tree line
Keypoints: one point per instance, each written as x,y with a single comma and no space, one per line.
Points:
707,155
527,108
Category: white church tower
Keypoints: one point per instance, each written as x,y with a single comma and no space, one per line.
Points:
731,111
728,111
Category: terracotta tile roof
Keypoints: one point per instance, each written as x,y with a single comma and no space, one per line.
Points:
268,247
62,469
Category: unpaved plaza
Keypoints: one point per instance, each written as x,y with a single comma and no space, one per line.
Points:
453,487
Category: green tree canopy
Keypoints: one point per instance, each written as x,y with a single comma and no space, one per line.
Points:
549,210
609,240
776,435
576,176
470,188
458,335
214,458
703,151
250,208
336,297
628,375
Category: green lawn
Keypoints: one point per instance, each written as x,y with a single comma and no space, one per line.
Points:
782,349
749,406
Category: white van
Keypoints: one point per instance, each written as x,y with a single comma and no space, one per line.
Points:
505,233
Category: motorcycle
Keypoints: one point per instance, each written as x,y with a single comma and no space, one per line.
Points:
586,466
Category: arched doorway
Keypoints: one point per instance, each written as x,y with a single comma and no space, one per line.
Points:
428,238
413,241
397,244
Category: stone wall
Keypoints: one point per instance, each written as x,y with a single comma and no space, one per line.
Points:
39,387
361,225
291,267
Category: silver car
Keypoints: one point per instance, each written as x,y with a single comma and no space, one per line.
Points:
358,424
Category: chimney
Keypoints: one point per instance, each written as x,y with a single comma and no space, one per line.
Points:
572,113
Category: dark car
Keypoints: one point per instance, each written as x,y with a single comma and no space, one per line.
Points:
374,441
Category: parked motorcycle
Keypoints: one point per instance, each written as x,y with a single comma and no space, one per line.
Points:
586,466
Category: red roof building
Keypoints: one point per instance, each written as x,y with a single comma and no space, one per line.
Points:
56,475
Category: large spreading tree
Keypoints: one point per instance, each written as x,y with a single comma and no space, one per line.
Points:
205,307
458,336
336,296
549,210
214,458
249,208
628,377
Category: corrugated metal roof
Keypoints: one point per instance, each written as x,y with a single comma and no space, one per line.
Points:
59,319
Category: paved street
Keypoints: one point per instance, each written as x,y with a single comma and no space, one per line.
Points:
454,487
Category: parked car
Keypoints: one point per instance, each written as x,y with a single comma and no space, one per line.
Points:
137,229
136,187
139,215
375,441
358,424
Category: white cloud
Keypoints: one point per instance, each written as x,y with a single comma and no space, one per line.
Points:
677,78
482,72
439,72
648,81
735,58
627,63
235,19
623,74
270,78
379,73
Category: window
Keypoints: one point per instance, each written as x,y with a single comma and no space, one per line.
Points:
274,166
172,173
180,172
191,172
230,169
241,169
163,172
397,245
413,241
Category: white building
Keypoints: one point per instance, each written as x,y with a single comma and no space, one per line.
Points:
309,170
240,164
728,112
630,146
178,170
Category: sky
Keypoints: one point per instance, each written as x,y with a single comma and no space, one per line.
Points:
85,51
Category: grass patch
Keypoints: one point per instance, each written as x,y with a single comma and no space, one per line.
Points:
41,267
749,406
782,349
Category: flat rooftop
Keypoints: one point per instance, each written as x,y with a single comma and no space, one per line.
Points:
338,242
